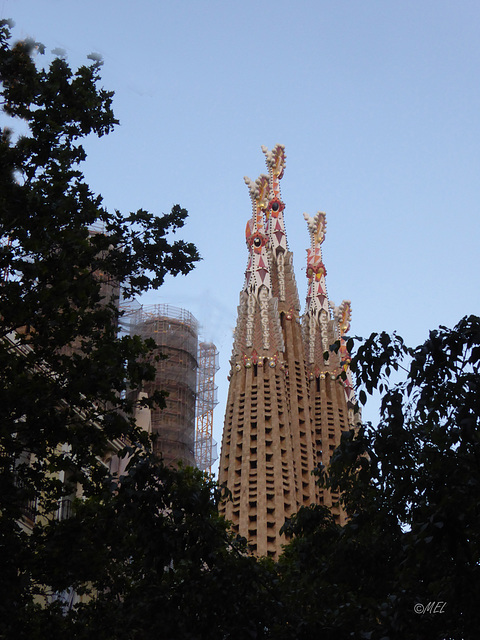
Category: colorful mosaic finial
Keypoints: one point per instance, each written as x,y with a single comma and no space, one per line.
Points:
257,276
342,316
274,223
317,314
276,166
317,228
258,273
269,280
316,271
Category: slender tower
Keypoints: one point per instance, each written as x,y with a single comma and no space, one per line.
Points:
331,396
272,440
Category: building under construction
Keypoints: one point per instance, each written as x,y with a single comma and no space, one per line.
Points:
183,369
205,445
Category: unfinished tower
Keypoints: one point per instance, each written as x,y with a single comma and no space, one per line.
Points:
277,425
207,400
175,331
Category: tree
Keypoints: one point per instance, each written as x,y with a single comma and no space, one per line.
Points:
63,257
156,561
407,563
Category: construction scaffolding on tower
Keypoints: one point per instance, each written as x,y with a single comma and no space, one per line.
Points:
205,445
175,332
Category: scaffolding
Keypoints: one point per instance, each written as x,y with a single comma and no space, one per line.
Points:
175,333
205,446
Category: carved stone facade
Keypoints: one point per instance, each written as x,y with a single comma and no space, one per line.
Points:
287,404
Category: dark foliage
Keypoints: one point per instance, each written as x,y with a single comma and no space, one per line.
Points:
63,256
152,560
406,565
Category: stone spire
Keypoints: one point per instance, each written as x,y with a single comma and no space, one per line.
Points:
324,323
285,409
317,312
258,331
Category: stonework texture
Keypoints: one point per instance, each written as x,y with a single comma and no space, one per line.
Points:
287,403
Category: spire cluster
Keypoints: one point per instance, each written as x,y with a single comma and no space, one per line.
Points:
270,289
288,402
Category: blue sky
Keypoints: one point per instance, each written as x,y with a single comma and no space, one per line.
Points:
376,101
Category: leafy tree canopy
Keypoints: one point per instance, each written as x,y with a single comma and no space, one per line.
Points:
63,257
152,560
407,563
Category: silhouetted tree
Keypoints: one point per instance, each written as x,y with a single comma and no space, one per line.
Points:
64,370
407,563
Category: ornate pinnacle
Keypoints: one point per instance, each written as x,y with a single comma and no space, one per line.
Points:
259,195
345,317
317,227
275,160
258,191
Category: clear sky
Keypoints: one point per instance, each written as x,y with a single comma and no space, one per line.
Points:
376,101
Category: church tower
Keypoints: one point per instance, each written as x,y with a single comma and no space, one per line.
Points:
283,391
331,396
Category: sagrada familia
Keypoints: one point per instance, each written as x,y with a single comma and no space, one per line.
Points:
288,401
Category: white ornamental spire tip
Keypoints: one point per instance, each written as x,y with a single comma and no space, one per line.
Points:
250,184
258,189
317,227
275,159
342,315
